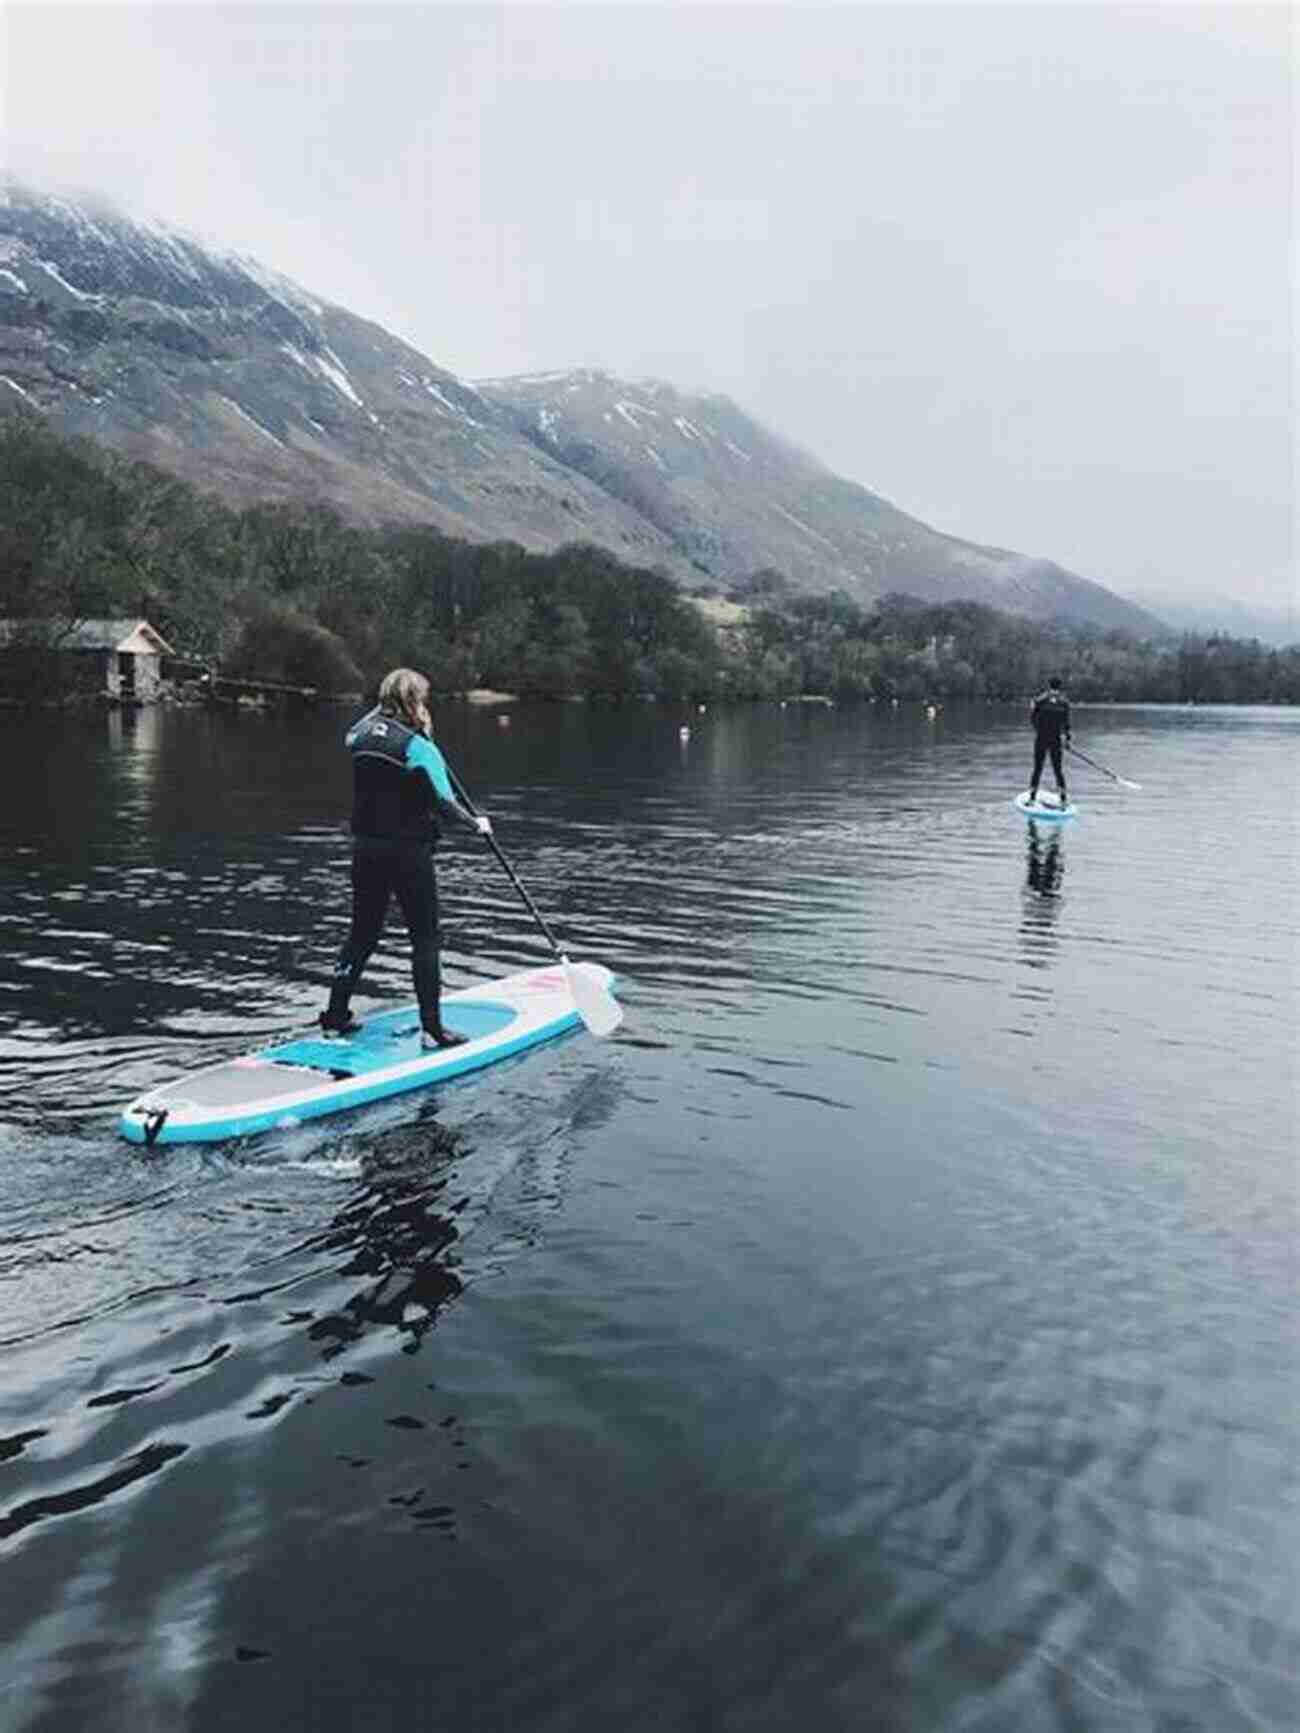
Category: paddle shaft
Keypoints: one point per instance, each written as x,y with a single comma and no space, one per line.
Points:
510,872
1095,765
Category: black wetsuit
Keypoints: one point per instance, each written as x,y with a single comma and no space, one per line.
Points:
1050,716
399,784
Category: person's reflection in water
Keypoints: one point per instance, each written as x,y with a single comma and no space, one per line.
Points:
1045,869
1046,864
400,1232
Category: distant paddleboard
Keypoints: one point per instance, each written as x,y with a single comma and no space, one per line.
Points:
309,1077
1046,804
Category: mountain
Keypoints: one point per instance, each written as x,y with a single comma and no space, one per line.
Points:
243,383
216,369
736,498
1274,625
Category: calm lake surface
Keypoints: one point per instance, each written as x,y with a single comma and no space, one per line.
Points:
892,1327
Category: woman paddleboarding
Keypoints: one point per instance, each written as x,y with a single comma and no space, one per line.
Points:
400,787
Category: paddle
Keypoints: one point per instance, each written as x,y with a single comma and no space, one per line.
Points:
1122,780
597,1007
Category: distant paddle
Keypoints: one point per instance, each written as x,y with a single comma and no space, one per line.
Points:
594,1003
1122,780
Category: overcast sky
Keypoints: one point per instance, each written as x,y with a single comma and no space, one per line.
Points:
1025,270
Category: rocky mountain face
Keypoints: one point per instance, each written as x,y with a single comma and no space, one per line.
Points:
231,376
735,498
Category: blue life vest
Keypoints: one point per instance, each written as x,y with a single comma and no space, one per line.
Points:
390,803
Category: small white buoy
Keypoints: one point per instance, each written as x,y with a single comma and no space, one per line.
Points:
503,722
683,733
931,712
703,708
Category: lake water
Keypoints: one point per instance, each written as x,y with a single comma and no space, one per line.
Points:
892,1327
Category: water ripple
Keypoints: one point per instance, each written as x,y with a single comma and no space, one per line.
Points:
892,1327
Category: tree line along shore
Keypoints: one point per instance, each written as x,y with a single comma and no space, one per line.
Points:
291,595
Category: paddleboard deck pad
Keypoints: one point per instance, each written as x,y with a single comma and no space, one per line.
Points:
1044,805
310,1076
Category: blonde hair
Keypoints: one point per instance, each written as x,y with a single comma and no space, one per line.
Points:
401,694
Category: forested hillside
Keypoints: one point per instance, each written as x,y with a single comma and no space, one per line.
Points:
294,594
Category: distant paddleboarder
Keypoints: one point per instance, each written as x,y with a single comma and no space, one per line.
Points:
400,786
1049,715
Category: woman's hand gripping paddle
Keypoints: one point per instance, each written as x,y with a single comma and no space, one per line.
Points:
595,1004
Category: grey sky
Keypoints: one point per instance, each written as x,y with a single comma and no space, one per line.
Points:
1028,271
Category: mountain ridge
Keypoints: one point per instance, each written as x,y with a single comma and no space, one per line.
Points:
222,371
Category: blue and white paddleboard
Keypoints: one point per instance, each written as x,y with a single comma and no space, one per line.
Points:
1046,804
309,1077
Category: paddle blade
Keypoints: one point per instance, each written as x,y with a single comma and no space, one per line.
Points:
596,1005
1125,783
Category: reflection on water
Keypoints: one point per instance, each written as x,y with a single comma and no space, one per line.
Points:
1046,863
892,1328
1042,901
398,1242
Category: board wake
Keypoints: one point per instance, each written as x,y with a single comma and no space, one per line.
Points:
309,1077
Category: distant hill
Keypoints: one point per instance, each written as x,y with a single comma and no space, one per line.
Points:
1271,625
240,381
